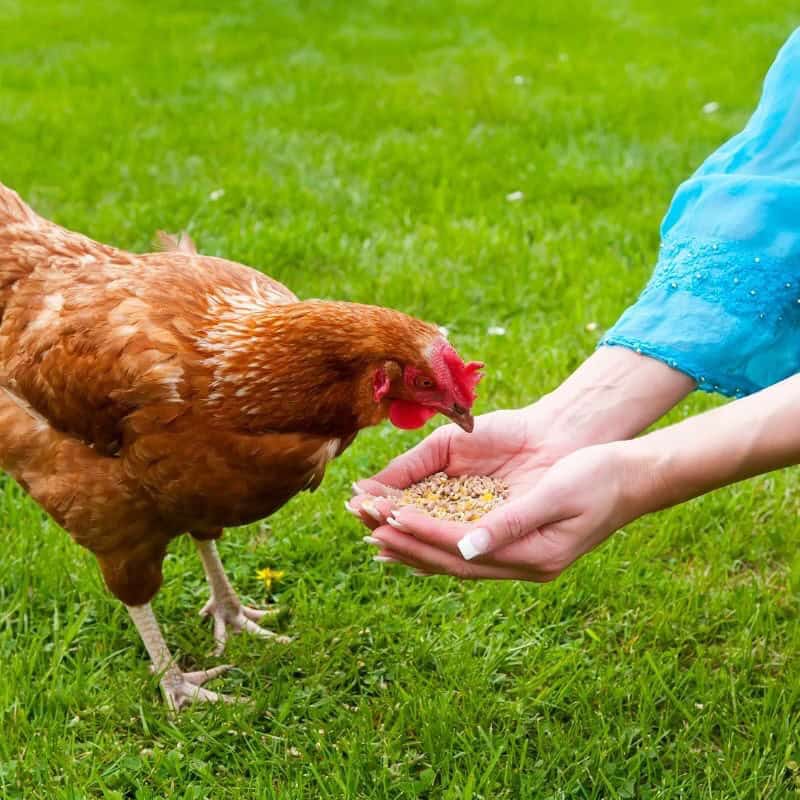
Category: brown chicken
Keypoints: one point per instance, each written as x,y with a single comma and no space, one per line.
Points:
146,396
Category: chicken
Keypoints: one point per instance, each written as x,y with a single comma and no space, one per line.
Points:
147,396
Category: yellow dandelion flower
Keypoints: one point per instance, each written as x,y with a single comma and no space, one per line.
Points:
268,575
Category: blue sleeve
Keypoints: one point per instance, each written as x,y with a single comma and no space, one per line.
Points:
723,304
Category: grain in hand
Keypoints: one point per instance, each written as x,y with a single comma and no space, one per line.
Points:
462,499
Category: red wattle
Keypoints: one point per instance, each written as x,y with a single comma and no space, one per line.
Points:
407,415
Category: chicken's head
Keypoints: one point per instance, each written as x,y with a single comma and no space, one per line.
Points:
439,382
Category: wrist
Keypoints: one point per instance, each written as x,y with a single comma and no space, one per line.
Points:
722,446
646,469
674,464
615,394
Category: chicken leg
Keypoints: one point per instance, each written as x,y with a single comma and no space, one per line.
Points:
179,688
224,605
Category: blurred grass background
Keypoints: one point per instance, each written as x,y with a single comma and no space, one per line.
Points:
365,151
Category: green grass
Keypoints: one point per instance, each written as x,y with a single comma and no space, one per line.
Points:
365,150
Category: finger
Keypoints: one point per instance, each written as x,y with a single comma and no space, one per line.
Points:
413,569
442,533
538,554
375,488
388,556
417,554
430,455
354,506
372,511
512,521
385,555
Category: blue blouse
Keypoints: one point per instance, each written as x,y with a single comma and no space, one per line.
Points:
723,304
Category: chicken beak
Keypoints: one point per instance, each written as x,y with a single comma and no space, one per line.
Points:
461,417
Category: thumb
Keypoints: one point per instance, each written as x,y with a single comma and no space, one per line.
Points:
511,522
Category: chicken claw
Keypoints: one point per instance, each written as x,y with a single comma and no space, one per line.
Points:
182,688
224,605
233,615
179,688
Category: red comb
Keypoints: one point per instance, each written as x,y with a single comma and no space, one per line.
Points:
465,376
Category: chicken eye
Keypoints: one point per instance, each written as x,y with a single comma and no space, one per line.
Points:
421,382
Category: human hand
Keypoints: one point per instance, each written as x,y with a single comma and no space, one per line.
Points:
514,445
613,395
553,517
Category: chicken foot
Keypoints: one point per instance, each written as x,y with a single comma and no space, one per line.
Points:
224,605
179,688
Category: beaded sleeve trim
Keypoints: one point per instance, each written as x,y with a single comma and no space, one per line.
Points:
758,296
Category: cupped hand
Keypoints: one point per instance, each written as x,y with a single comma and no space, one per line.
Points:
511,444
558,508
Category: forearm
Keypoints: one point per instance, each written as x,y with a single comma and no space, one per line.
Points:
615,394
751,436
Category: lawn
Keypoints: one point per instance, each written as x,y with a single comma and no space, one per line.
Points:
365,151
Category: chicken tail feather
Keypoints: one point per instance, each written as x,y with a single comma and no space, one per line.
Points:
182,243
13,209
28,241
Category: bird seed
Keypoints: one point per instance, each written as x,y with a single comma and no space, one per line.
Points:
463,499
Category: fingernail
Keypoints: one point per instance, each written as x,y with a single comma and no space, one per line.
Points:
370,540
397,524
369,507
356,488
474,543
350,508
385,559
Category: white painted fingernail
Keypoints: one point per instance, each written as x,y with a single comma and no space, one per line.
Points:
475,543
370,540
356,488
385,559
350,508
369,507
397,524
